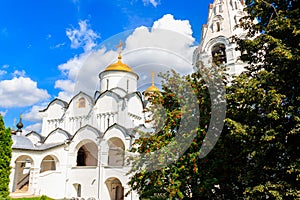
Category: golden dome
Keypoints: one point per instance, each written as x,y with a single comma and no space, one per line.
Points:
119,66
152,88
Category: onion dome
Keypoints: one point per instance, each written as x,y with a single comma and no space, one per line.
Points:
119,66
20,125
152,88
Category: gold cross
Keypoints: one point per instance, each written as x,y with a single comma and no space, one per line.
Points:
119,47
152,78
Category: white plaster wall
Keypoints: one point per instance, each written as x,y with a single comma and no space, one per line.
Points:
118,79
52,184
87,177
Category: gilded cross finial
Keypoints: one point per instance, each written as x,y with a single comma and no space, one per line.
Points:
119,49
152,74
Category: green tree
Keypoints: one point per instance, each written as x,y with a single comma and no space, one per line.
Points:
177,171
264,102
5,156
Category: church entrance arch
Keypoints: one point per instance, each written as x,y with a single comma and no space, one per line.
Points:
115,188
22,173
87,154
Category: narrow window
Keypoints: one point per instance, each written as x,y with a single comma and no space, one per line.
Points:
127,85
236,7
79,190
218,26
220,8
107,83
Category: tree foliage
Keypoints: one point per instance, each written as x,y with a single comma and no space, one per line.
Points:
257,155
264,111
5,156
181,173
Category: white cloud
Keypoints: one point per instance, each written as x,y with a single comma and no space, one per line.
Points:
67,87
181,26
167,45
34,115
82,37
33,127
5,66
3,113
153,2
58,45
2,72
19,73
20,92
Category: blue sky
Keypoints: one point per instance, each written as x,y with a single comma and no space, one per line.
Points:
43,43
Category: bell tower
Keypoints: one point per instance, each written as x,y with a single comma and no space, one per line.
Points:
215,45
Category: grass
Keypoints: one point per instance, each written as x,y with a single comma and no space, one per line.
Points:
33,198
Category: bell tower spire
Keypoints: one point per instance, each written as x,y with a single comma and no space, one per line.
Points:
223,17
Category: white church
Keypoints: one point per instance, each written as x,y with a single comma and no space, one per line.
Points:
81,149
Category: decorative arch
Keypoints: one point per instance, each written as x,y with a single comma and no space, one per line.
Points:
57,135
88,128
115,188
110,93
56,100
119,127
34,137
220,39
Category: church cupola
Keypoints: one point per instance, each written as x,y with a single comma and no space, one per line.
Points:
19,125
152,88
118,76
119,66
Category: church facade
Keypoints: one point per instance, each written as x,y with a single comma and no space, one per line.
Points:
81,150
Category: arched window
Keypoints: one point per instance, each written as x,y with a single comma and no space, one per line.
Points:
48,163
116,152
87,155
81,103
219,54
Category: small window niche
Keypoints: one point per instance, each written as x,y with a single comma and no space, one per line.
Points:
81,103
